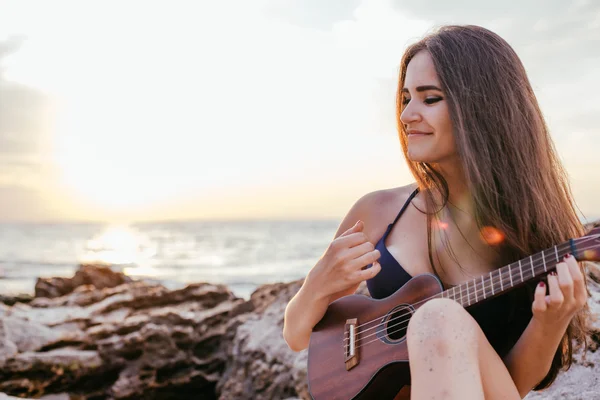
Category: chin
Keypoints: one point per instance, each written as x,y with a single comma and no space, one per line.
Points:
420,156
429,154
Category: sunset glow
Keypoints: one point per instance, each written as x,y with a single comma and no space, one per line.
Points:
144,123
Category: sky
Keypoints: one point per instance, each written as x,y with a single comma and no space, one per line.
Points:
146,110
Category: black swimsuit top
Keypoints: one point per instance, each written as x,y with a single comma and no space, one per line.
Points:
502,319
392,276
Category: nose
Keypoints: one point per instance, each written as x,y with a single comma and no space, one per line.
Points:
410,114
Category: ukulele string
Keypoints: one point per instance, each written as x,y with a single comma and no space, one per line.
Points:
467,290
411,312
503,280
404,322
526,276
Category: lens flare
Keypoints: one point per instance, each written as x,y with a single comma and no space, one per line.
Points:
492,235
591,255
442,225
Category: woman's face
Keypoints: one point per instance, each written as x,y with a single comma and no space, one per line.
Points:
425,113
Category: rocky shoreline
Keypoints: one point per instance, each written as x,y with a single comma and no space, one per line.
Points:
101,335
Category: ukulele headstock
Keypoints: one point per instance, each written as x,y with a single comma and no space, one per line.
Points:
588,246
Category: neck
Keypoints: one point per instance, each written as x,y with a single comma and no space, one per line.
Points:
459,195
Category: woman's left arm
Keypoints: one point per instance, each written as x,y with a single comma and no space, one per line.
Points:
530,359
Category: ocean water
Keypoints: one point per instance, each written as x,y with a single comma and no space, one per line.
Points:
241,254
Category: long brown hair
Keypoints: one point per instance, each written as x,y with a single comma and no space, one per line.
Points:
515,178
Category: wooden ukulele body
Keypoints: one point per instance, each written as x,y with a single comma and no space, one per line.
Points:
358,350
379,368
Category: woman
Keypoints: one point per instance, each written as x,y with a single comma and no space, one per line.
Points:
489,190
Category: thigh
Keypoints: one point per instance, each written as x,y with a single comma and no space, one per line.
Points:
496,380
462,350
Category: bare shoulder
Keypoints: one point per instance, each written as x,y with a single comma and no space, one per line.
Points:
376,209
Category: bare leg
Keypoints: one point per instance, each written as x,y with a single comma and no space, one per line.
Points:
443,345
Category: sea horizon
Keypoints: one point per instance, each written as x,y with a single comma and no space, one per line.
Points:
241,253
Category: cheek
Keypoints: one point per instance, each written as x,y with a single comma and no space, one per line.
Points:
439,119
440,122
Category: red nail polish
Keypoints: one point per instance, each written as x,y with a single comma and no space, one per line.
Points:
542,284
568,256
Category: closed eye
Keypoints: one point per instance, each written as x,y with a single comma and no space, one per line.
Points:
429,100
432,100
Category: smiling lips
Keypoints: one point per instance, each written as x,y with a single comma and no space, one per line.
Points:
414,132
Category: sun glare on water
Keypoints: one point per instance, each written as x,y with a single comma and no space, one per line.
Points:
121,247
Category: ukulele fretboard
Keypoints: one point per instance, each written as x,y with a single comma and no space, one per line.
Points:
509,276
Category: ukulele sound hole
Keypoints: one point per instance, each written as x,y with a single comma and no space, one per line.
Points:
397,322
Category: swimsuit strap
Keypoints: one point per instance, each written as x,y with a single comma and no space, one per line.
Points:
406,205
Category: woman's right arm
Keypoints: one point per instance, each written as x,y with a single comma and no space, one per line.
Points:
337,273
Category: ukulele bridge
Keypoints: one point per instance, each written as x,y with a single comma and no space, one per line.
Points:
351,350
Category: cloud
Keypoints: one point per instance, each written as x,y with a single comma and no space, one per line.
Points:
22,122
312,13
558,42
23,127
10,46
22,204
231,93
547,35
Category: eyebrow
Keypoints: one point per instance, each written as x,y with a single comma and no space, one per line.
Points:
424,88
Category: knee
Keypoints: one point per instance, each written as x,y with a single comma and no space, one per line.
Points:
437,314
440,323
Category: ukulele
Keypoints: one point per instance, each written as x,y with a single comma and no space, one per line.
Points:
358,349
